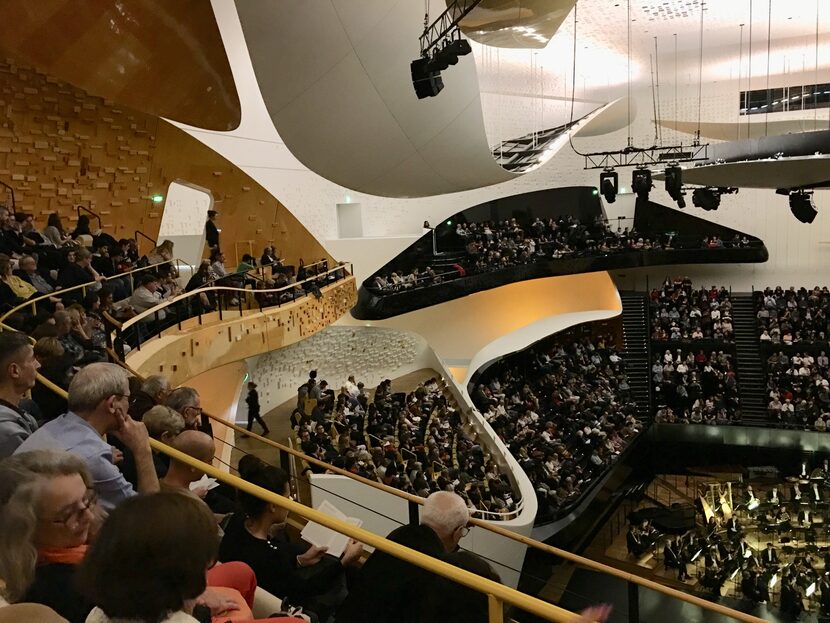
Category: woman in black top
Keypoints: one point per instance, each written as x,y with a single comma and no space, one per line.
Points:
297,572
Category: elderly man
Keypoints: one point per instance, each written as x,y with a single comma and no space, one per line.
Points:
186,401
179,475
154,391
18,371
98,402
147,296
393,589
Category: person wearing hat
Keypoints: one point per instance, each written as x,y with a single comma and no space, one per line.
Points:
253,409
211,231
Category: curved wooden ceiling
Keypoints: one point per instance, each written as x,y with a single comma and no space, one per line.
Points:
156,56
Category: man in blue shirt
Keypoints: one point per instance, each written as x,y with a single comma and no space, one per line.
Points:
18,371
99,397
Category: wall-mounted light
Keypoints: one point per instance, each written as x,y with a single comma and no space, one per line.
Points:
157,198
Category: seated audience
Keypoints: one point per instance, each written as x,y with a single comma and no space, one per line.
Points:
791,316
298,573
154,391
679,312
98,403
696,389
18,370
393,589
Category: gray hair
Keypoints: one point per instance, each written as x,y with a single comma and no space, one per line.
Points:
181,398
94,383
445,511
162,419
154,384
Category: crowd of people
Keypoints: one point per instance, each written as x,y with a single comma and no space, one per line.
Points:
565,412
791,316
694,388
799,390
679,312
492,246
412,441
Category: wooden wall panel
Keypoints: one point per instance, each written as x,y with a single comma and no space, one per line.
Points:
60,146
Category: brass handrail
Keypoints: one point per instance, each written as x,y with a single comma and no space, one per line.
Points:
497,594
491,526
60,292
185,295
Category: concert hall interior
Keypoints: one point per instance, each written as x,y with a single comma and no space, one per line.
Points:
402,311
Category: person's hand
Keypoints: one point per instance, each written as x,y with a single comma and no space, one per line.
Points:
133,434
595,614
312,556
100,278
218,603
352,553
117,455
201,492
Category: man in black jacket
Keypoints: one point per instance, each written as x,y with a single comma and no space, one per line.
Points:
211,231
389,590
253,409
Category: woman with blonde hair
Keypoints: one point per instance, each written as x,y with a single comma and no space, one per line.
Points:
163,253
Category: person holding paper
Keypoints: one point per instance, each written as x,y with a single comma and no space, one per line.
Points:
299,573
392,589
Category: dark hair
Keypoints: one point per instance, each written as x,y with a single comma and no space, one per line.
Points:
447,601
148,278
150,556
11,343
54,220
258,472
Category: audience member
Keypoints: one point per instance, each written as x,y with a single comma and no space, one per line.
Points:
393,589
98,403
679,312
18,371
154,391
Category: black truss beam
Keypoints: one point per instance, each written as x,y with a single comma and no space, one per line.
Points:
646,157
445,23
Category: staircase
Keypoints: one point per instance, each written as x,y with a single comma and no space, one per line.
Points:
443,262
637,354
750,367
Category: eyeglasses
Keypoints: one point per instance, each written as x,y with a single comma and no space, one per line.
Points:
465,530
72,518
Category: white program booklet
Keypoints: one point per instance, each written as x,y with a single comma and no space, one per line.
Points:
321,536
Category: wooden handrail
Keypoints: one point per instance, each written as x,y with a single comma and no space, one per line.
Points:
59,293
496,592
181,297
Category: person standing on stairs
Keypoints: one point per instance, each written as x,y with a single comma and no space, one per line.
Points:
253,409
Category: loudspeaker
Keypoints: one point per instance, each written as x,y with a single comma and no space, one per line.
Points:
427,83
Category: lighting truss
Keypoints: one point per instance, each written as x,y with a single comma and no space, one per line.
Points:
445,23
646,157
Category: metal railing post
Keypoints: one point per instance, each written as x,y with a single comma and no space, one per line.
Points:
414,518
285,462
633,603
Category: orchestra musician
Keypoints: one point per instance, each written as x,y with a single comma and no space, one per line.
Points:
824,590
733,528
774,497
796,495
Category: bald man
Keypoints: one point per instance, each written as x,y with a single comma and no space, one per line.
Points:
391,588
179,475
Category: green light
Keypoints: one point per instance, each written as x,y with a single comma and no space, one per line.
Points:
449,222
595,191
157,198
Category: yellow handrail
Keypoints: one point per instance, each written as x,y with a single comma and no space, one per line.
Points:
498,594
164,304
59,293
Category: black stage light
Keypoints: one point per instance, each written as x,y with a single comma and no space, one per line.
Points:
801,205
461,47
674,184
427,81
641,183
608,185
706,198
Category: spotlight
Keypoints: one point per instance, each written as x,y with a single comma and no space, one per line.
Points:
706,198
641,183
801,205
426,80
674,184
448,54
608,184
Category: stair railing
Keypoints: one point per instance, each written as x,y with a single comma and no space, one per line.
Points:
11,190
79,208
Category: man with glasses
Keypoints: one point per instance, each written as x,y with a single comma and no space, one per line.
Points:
99,397
393,589
187,401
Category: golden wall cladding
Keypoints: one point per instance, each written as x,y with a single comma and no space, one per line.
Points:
61,146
